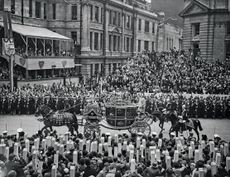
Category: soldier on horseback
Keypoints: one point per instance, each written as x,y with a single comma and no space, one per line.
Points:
184,121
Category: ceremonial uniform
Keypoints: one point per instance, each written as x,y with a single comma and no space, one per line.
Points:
32,105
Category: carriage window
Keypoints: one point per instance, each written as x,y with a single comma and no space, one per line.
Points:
121,112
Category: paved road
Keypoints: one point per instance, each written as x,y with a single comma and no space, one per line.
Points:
31,125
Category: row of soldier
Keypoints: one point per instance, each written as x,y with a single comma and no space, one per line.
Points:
27,105
195,107
199,107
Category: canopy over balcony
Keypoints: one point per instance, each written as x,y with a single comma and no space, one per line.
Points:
36,32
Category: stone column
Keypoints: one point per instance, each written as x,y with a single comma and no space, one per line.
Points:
93,41
122,32
85,29
106,35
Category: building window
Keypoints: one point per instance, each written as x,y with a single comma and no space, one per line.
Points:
128,22
54,11
38,9
114,18
153,46
30,8
96,68
146,26
74,36
110,42
13,6
101,46
196,29
91,12
139,45
119,18
91,40
45,13
96,14
228,28
146,45
74,12
114,43
102,15
118,44
139,25
91,69
96,41
1,5
153,28
127,45
110,17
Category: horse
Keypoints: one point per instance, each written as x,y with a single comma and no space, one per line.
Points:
57,118
180,125
155,116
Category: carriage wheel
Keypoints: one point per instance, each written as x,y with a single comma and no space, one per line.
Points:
90,129
142,127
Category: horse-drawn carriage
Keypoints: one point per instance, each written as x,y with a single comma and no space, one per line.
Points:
116,114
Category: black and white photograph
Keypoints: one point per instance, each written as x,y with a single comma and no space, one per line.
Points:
114,88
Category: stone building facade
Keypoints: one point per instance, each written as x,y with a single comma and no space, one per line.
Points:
104,32
116,30
170,36
207,28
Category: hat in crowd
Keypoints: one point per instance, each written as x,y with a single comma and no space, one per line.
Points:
19,130
140,134
5,132
154,133
172,134
216,136
108,134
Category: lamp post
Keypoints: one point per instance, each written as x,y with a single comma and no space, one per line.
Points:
159,25
64,72
8,45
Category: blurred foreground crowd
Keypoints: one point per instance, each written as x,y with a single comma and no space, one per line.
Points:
118,155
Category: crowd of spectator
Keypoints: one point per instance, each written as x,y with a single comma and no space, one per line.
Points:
119,155
171,72
40,52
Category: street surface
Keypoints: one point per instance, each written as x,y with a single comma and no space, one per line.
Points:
30,125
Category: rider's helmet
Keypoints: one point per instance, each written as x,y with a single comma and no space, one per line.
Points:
164,111
180,118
